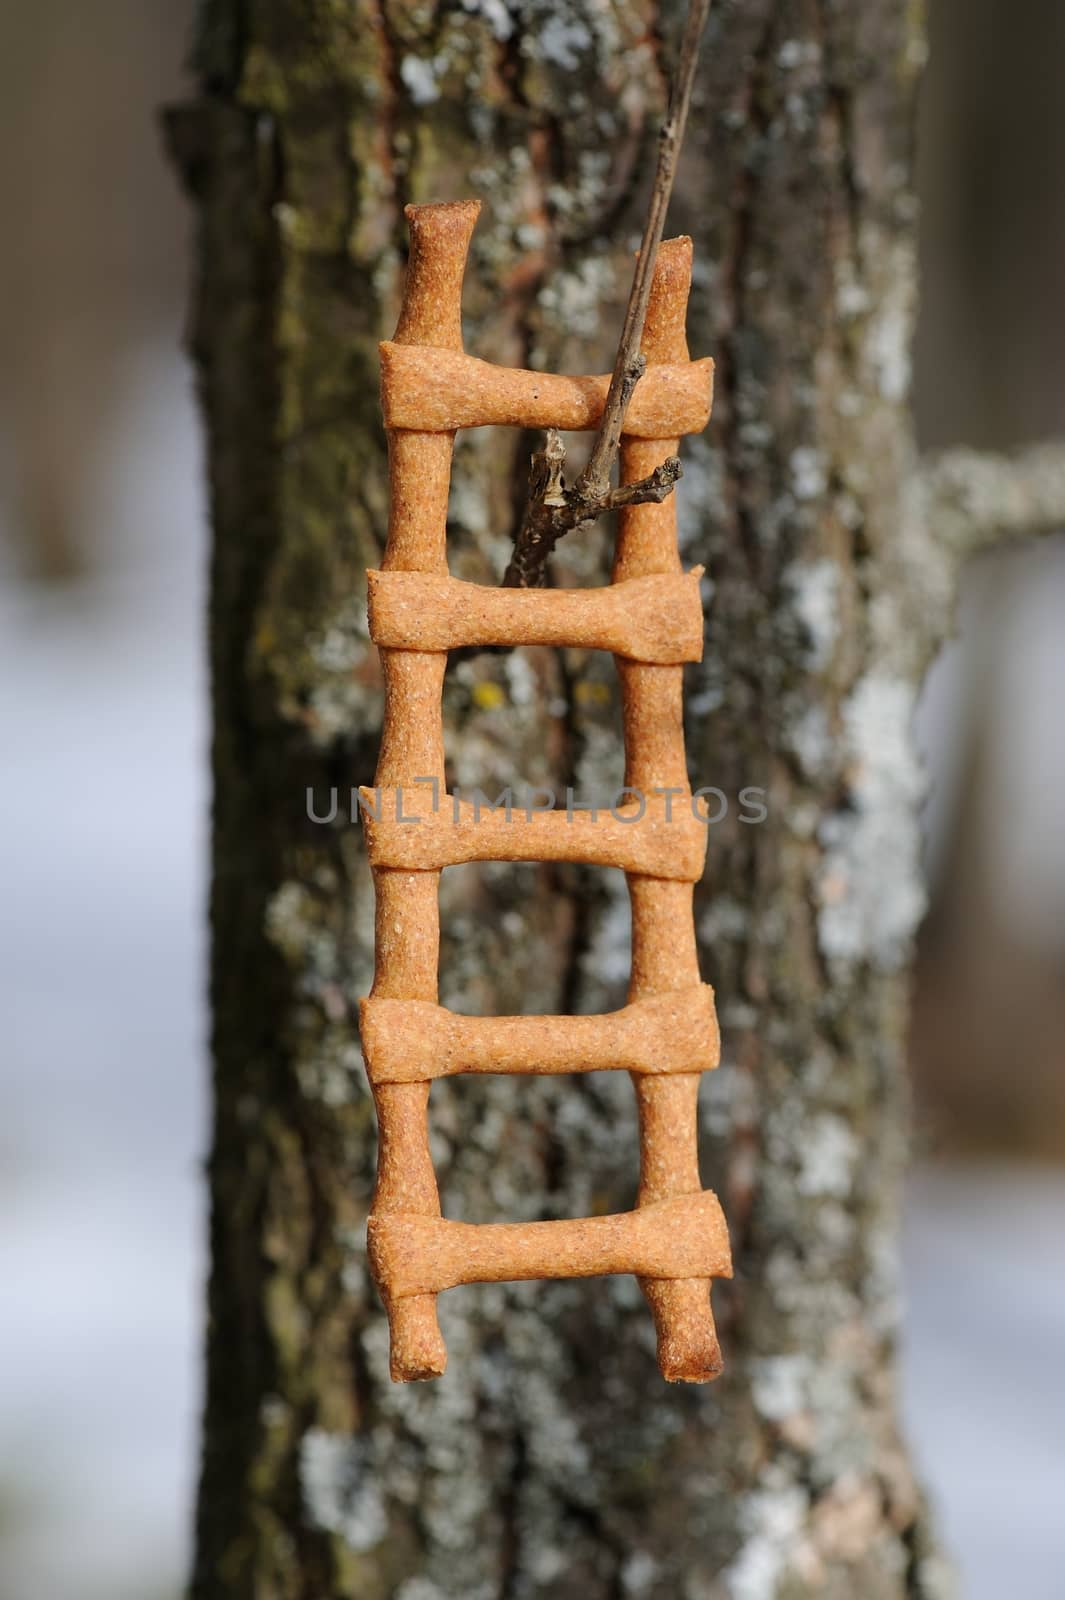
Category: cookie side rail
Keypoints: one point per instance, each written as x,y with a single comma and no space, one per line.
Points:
407,917
663,933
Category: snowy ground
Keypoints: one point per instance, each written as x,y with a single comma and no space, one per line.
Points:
984,1389
102,1128
102,1102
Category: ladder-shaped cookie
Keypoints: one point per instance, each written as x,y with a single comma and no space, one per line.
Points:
650,617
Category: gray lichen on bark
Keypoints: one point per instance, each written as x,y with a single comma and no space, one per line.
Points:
549,1460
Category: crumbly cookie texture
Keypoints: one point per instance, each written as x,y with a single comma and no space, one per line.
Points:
407,1041
657,618
650,618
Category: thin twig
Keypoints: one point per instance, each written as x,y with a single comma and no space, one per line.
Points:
552,509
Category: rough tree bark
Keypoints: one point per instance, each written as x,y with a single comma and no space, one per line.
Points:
551,1460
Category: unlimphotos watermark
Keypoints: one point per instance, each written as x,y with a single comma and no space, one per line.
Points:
407,804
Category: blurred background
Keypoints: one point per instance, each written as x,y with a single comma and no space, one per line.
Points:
103,819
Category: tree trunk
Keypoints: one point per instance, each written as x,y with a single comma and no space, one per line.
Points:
551,1459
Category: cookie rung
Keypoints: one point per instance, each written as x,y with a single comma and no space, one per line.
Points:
674,1240
412,1041
436,391
406,829
656,619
